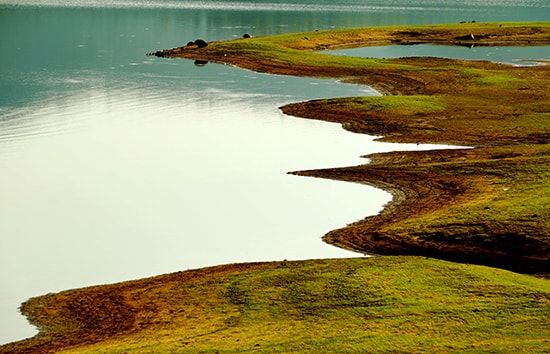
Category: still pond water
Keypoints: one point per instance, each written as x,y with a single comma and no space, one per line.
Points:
116,166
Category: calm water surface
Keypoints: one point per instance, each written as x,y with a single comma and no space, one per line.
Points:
513,55
116,166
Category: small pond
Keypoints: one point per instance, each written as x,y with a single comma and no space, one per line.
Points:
514,55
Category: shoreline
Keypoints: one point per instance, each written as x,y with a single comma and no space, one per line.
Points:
410,196
447,204
425,100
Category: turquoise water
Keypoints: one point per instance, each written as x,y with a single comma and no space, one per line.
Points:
115,165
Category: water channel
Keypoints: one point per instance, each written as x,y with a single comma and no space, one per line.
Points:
116,166
511,55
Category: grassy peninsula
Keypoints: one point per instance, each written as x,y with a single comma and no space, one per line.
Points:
483,205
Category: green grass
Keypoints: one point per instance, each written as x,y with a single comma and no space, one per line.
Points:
388,304
263,49
398,105
349,35
513,187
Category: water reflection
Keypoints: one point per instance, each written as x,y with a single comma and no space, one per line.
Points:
166,168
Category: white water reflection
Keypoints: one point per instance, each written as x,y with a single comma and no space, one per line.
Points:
116,183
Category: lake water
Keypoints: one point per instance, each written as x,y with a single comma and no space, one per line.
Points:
116,166
512,55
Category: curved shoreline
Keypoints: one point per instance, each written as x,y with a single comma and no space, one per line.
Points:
427,100
420,193
447,204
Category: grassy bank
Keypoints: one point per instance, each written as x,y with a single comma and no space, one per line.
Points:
485,205
383,304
